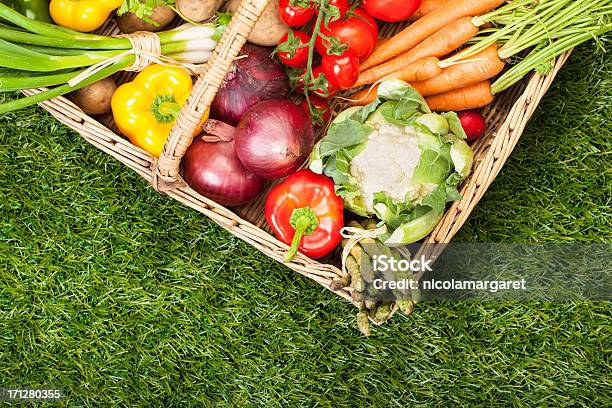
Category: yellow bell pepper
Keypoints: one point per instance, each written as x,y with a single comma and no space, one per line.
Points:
146,108
82,15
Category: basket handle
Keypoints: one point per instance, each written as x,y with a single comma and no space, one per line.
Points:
166,169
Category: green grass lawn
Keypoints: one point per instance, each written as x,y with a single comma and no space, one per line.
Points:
122,296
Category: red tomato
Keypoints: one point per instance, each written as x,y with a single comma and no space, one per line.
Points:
391,10
343,6
359,32
294,16
321,107
300,53
316,72
341,70
473,123
331,89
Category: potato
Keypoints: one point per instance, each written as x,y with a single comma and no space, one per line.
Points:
198,10
95,99
128,23
269,29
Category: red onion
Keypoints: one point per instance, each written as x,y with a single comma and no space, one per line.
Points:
255,77
213,170
274,138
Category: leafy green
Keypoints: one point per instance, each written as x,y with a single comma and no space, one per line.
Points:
434,164
454,124
417,227
452,194
462,157
391,212
436,199
404,104
223,20
387,112
342,135
338,169
143,8
397,90
432,123
362,114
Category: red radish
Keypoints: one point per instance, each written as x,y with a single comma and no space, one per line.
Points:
473,123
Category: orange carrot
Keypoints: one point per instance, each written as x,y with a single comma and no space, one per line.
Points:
426,7
413,71
470,97
443,42
418,71
426,26
381,41
484,65
364,97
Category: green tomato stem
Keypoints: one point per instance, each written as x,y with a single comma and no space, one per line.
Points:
311,47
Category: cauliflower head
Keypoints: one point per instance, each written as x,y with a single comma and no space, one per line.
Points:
396,160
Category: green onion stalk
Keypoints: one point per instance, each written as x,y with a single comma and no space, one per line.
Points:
35,54
544,29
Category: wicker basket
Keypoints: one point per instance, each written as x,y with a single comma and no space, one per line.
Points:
507,117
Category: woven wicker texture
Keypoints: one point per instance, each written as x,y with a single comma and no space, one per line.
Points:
167,172
507,117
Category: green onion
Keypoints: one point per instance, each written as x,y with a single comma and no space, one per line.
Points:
35,54
64,89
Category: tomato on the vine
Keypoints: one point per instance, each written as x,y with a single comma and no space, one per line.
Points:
294,16
292,49
322,111
341,70
318,85
357,30
342,5
319,75
391,10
